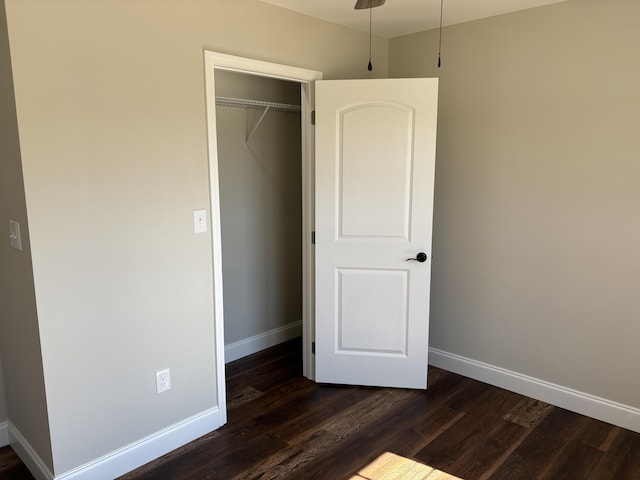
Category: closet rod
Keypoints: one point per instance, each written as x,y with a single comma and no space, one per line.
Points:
241,102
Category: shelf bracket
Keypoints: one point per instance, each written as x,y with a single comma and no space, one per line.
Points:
266,109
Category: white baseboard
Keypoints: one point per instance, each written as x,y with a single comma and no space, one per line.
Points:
127,458
28,455
254,344
567,398
4,434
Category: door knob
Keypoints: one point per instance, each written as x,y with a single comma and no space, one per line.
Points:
421,257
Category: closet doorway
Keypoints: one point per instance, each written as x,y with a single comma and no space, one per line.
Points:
222,63
260,173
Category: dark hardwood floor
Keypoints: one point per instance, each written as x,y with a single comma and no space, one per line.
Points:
11,468
283,426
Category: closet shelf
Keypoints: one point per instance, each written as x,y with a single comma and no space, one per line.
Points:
242,102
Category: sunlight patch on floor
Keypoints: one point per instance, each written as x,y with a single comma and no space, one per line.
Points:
390,466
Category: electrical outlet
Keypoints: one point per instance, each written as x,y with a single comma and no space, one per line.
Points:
163,381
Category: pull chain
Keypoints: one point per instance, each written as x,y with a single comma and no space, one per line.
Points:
440,34
370,66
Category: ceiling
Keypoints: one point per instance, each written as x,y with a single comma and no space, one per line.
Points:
402,17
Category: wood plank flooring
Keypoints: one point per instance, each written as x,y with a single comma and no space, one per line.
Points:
283,426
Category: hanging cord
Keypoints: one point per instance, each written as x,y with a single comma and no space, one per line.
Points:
370,67
440,34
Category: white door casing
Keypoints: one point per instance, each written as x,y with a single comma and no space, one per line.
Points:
306,78
375,159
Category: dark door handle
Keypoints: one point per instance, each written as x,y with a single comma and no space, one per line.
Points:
421,257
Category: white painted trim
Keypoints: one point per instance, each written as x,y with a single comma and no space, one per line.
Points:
306,79
216,234
4,434
307,95
143,451
28,455
124,459
261,68
259,342
580,402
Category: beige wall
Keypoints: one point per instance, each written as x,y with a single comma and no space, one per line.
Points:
260,207
111,112
536,228
23,383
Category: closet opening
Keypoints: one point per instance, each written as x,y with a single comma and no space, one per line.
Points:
245,342
259,148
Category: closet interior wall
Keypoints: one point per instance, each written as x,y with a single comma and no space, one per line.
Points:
261,213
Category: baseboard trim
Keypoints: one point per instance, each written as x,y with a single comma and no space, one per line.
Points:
583,403
28,455
146,449
126,458
4,434
251,345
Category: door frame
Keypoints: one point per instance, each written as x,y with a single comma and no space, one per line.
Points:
306,79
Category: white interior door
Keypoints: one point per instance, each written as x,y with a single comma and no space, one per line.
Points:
375,158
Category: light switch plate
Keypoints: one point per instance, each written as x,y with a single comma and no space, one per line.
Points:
199,221
14,235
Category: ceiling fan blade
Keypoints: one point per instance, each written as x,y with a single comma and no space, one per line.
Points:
361,4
